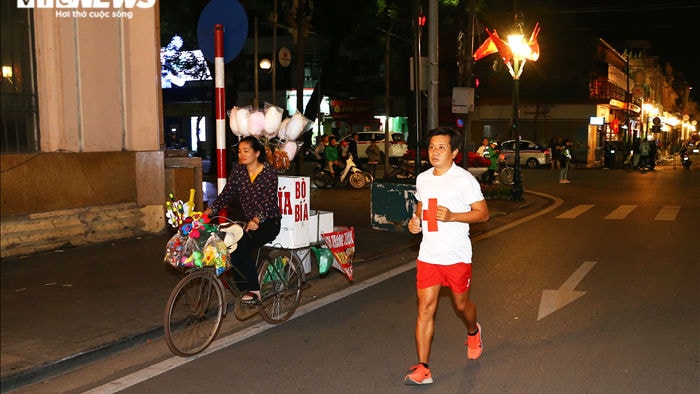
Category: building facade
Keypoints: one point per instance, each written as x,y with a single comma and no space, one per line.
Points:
84,161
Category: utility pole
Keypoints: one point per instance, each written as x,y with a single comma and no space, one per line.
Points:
469,71
417,77
300,69
433,38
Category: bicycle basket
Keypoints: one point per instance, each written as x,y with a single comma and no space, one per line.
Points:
185,252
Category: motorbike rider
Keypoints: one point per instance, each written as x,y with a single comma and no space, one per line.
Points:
332,155
492,154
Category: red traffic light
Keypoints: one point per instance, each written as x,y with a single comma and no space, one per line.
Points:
421,20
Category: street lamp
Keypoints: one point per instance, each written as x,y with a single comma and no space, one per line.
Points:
514,54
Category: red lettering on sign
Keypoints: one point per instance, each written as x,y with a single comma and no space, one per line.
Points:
284,202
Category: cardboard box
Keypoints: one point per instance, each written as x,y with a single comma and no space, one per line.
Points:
292,236
294,198
319,222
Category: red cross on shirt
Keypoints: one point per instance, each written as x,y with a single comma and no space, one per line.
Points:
430,214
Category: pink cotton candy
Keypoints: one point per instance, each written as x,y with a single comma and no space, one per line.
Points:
296,126
291,148
256,123
282,134
273,120
232,121
242,119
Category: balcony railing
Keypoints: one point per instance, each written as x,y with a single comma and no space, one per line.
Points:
606,91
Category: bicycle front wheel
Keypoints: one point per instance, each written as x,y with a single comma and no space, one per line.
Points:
280,285
194,313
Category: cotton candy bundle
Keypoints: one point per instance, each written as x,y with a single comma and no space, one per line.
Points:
242,120
291,148
273,120
296,126
232,121
282,133
256,123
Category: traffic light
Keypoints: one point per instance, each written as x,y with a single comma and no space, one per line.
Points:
475,84
421,20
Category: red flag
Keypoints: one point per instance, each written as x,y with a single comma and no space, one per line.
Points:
533,44
503,48
487,48
494,44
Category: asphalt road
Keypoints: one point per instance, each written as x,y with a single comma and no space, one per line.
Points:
599,295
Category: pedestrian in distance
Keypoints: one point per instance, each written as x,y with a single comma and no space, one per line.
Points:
449,199
644,153
555,148
484,146
374,156
252,183
352,145
564,161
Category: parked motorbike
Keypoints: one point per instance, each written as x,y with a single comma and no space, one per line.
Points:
351,175
685,159
403,169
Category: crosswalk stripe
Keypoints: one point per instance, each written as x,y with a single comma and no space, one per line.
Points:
668,212
621,212
575,211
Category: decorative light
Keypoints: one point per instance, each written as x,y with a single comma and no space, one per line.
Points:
514,54
265,64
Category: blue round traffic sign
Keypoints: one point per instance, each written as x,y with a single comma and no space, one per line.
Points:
230,14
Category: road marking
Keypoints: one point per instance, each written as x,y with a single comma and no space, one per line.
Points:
668,213
553,300
621,212
574,212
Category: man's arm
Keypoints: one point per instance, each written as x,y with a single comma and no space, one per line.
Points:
478,214
414,222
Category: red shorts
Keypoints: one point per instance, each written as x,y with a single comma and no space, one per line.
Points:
457,277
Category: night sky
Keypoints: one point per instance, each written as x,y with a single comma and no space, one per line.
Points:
671,27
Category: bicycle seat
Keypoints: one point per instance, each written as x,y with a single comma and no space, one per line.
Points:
234,232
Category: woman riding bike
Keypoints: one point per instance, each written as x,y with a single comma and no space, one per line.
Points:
253,183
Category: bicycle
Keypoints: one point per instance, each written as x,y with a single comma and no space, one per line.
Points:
197,304
504,173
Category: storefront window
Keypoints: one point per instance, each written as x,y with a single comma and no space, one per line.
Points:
19,124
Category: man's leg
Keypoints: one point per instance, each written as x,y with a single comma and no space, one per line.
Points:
425,323
467,309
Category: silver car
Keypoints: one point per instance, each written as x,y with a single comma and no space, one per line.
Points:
397,145
532,155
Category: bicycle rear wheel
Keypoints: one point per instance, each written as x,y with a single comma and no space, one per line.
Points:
194,313
506,175
280,285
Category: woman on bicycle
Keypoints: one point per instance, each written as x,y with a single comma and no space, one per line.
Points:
253,183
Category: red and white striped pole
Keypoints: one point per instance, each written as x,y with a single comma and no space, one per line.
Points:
220,109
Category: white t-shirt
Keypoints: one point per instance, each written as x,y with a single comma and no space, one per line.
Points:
456,190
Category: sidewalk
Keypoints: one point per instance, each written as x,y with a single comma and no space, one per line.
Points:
67,308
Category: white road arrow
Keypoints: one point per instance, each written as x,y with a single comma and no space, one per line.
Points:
553,300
